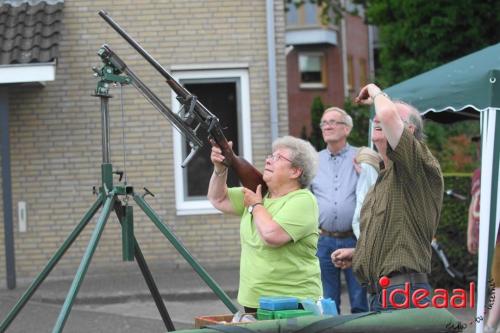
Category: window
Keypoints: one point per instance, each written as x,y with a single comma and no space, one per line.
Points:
312,70
226,94
306,15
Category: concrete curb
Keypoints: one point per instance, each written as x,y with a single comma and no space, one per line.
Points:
122,297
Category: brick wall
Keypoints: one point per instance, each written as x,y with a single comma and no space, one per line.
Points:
56,135
300,99
358,49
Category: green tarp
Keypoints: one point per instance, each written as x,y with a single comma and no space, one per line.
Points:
461,85
428,320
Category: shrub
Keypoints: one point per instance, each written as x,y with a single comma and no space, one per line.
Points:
452,235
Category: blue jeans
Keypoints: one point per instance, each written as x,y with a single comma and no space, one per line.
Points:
330,275
376,299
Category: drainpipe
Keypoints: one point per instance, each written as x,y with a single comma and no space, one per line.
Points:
271,65
7,191
344,52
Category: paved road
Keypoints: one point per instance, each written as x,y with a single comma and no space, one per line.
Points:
119,317
129,316
122,304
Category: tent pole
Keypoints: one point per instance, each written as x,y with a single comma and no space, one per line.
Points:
490,144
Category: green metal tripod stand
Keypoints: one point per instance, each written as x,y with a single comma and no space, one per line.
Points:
109,199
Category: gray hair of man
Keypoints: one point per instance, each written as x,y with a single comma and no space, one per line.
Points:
345,115
303,156
415,119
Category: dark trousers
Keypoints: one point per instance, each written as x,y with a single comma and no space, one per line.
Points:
330,275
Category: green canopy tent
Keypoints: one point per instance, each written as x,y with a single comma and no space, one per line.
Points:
464,88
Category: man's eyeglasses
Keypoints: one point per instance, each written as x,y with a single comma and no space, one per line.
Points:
276,157
331,123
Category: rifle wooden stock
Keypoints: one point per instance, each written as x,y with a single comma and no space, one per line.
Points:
249,176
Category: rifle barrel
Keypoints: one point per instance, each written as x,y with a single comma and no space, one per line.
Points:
135,45
176,86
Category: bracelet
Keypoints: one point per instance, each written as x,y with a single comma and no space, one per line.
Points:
378,94
222,173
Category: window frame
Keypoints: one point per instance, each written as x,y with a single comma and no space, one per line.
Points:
308,85
241,77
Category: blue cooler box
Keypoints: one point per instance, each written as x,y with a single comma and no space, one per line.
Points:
274,303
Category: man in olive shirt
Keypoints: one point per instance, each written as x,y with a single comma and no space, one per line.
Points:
401,212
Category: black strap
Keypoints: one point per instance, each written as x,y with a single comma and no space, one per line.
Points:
322,325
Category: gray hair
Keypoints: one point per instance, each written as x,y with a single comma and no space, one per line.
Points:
415,119
303,156
346,116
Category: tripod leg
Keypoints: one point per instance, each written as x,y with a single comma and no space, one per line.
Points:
153,288
84,264
121,212
50,265
185,253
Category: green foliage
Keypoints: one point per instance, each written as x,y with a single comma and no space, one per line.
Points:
452,235
332,11
316,137
418,35
361,122
451,144
317,110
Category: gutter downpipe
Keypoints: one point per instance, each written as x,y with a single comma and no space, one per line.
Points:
343,26
271,65
10,265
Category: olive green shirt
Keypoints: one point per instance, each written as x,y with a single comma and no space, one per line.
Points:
400,214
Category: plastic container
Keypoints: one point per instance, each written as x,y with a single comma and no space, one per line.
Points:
265,314
329,307
283,314
274,303
309,305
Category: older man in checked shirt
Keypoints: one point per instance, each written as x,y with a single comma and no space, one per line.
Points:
401,212
335,189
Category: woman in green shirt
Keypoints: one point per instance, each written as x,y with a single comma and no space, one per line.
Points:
278,231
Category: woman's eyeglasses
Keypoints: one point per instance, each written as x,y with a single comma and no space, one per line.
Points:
276,157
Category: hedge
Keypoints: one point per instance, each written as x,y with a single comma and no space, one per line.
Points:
452,234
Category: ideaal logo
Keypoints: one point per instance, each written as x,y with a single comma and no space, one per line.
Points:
440,299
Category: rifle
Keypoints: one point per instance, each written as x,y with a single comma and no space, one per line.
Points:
191,116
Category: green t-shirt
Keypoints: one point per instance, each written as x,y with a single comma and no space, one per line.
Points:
289,270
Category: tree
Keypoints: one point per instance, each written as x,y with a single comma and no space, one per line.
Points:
361,123
332,11
418,35
316,137
451,144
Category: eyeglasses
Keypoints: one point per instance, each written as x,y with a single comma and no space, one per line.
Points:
331,123
276,157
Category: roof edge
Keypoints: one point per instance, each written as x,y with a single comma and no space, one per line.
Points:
17,3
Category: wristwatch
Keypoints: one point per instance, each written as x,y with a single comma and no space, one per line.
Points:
252,207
